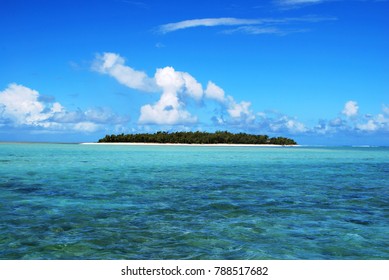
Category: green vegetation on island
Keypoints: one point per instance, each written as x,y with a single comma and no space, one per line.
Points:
218,137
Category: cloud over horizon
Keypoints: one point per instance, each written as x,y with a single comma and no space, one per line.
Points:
21,106
177,88
180,101
354,122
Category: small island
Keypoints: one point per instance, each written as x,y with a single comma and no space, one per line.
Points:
218,137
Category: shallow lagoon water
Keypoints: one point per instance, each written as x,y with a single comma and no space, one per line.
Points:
69,201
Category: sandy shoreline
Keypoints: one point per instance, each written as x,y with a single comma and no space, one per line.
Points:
182,144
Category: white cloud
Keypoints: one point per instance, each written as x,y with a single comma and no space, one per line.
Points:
21,106
176,88
298,2
113,65
164,115
355,123
330,127
193,88
285,124
86,127
256,30
350,109
169,80
382,119
238,110
214,92
249,26
170,27
235,110
369,126
295,126
379,122
170,109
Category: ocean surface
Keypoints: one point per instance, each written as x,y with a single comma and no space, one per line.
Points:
69,201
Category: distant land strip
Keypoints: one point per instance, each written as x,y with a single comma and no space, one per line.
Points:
218,137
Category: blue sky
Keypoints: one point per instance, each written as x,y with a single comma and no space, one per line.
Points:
313,70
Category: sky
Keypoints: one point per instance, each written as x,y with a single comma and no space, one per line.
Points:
313,70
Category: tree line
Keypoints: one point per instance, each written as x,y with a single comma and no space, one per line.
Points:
218,137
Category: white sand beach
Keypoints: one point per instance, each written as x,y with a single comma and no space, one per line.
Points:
183,144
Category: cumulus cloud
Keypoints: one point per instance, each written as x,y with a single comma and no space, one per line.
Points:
295,126
332,126
193,88
376,123
355,123
22,106
238,110
113,65
171,108
234,109
214,92
280,123
350,109
86,126
161,114
369,126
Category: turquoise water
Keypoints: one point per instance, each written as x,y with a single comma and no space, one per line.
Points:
68,201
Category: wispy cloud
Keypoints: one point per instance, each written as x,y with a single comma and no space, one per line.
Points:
248,26
170,27
294,3
257,30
